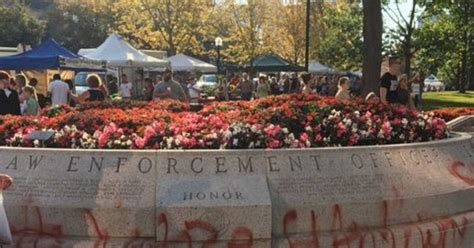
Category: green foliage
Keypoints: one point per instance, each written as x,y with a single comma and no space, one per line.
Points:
82,24
443,41
19,24
209,90
341,44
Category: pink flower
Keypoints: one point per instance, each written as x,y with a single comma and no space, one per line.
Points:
140,142
396,121
273,143
304,137
272,130
386,128
353,139
341,129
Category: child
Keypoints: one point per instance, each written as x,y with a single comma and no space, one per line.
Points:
31,103
343,92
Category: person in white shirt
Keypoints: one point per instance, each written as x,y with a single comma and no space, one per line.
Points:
58,90
194,91
125,87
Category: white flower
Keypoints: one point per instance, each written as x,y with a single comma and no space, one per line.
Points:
227,134
117,142
285,130
308,129
421,123
129,143
235,142
404,121
347,122
357,113
66,128
254,129
36,143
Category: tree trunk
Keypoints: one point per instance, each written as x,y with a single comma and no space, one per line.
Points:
372,50
463,75
407,55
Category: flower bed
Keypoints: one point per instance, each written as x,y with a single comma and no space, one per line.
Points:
291,121
449,114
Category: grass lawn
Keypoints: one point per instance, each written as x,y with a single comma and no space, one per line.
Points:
447,99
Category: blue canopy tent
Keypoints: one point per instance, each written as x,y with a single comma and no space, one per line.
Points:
49,55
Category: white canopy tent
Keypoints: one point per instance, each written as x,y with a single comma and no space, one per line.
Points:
181,62
316,67
118,53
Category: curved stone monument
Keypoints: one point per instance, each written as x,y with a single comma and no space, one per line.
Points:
410,195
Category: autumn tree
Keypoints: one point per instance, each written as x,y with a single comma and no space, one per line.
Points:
290,37
247,29
172,25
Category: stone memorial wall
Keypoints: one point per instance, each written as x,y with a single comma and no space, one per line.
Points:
417,195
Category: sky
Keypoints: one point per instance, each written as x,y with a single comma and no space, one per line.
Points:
405,8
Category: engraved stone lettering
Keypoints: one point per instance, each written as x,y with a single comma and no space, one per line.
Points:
197,171
73,162
220,161
172,164
142,165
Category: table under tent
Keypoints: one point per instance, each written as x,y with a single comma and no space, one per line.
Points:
120,55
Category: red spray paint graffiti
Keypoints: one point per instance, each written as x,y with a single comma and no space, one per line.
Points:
242,237
32,231
313,242
456,170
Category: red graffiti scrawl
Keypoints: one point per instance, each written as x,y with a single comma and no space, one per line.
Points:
456,169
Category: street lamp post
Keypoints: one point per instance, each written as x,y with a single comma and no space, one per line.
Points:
218,43
308,16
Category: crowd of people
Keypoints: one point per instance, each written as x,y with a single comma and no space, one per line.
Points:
18,96
307,83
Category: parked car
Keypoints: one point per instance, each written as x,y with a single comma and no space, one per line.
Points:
207,80
433,84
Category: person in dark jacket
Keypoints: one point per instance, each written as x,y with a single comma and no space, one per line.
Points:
9,99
